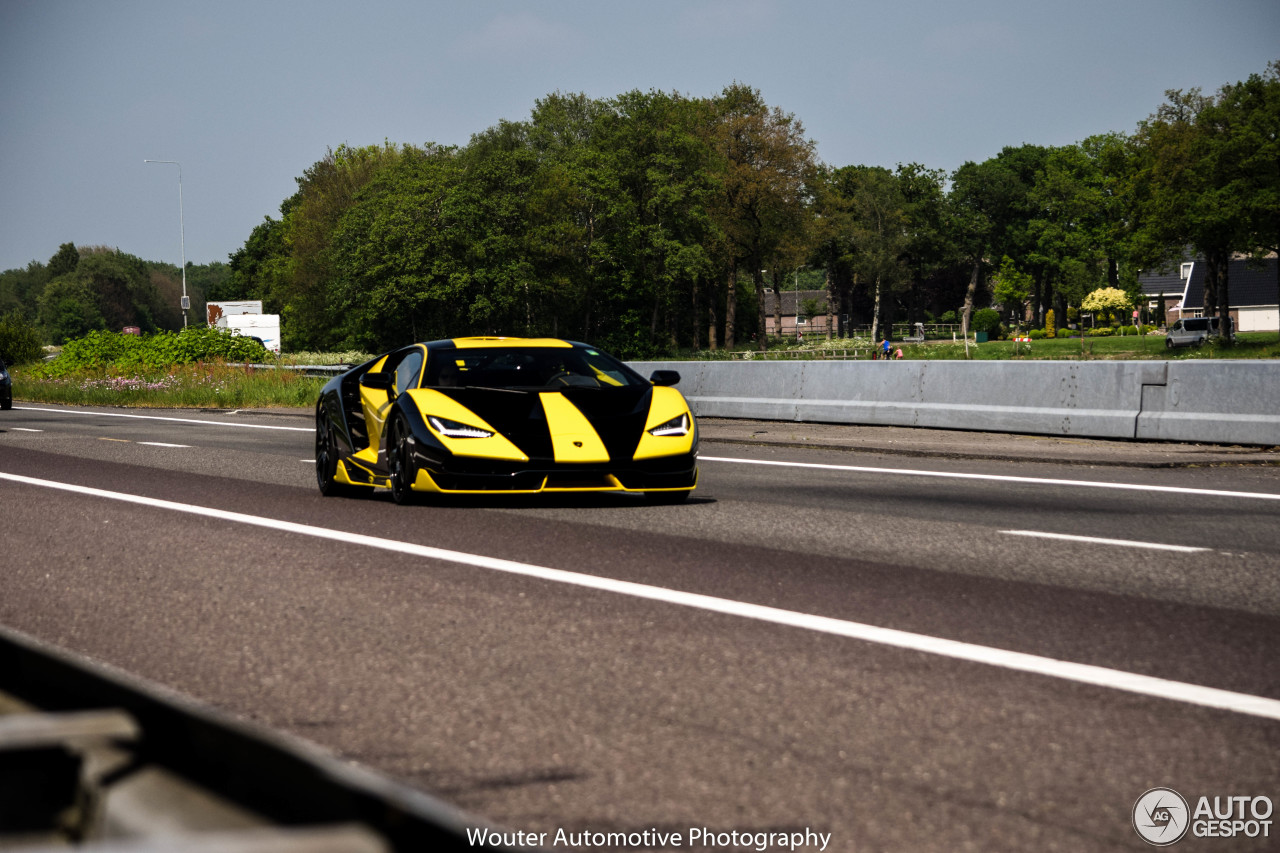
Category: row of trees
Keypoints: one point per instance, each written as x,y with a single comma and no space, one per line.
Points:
80,290
627,221
652,222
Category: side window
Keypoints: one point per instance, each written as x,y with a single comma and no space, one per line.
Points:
407,371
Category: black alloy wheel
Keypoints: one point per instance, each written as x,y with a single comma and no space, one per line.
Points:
403,469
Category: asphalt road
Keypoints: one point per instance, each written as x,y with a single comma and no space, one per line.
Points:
599,664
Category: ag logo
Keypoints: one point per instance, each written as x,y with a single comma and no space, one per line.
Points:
1161,817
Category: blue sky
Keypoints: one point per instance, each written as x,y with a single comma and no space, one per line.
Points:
247,95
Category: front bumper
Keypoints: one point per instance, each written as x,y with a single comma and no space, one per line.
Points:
679,473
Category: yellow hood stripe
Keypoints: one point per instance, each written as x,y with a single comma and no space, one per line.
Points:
573,439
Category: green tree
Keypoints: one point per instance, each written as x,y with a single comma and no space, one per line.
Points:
1255,104
877,234
980,205
1208,178
400,258
929,252
107,289
21,288
1111,302
569,206
659,223
1079,231
761,204
67,309
832,242
992,208
65,261
259,269
122,287
1010,286
13,285
302,288
19,340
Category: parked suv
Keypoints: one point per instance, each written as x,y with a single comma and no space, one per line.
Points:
1193,331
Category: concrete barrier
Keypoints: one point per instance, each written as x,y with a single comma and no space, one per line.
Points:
1233,402
1219,402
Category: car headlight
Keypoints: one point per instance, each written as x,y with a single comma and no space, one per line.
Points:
453,429
677,426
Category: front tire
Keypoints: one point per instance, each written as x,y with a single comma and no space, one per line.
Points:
400,460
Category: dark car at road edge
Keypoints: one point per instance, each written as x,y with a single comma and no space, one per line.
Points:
6,387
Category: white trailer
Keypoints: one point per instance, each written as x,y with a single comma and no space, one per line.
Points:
263,326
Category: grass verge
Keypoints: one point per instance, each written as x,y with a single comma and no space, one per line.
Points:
203,385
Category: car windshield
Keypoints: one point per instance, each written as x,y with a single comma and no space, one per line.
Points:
525,369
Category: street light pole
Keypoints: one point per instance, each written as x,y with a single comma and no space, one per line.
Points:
182,239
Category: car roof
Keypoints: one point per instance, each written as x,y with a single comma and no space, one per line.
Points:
501,342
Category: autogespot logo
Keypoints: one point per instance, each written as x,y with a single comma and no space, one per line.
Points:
1161,817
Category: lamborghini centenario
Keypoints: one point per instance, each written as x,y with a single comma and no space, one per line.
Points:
504,416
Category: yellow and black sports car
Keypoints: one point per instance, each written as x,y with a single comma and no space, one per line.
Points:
504,416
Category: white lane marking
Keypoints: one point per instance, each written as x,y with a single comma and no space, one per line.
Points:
1000,478
1125,543
162,444
1146,685
25,429
159,418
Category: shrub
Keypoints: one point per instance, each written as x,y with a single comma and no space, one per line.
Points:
19,342
986,320
1037,334
97,350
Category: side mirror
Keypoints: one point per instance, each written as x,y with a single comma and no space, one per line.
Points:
378,380
665,377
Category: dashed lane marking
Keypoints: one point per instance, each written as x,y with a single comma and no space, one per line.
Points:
1000,478
1097,540
172,420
